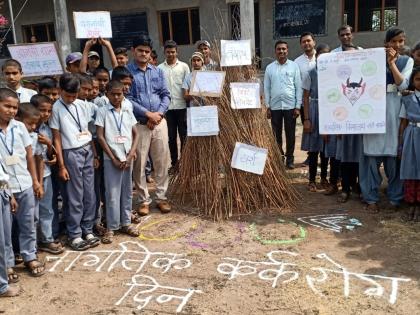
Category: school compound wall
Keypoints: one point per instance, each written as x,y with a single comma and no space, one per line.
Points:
215,21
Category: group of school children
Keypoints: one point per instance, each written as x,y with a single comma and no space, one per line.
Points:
356,158
57,147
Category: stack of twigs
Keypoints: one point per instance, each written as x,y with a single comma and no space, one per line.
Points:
204,175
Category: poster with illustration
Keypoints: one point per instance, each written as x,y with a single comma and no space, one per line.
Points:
352,92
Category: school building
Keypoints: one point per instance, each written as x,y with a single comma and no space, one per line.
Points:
187,21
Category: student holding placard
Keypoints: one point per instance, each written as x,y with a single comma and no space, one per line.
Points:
90,58
205,48
197,64
175,72
283,95
150,98
12,72
382,148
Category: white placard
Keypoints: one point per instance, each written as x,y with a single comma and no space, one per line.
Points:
207,83
249,158
235,53
244,95
352,92
37,59
92,24
202,121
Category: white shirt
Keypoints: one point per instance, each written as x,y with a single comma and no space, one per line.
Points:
45,130
25,94
305,64
20,178
108,118
340,48
71,120
175,75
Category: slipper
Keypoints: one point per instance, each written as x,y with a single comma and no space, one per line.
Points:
79,246
11,291
312,187
35,268
12,276
52,248
130,230
108,237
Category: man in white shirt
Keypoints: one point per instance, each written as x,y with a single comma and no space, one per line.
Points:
345,35
175,72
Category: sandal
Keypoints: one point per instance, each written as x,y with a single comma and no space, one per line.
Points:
80,245
52,248
135,218
108,237
35,268
372,207
344,197
92,240
100,229
18,259
332,190
130,230
312,187
324,183
12,276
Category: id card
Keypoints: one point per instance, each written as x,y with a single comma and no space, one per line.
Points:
12,160
391,88
84,136
120,139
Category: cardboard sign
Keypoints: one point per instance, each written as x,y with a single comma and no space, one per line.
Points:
244,95
235,53
352,92
37,59
249,158
207,83
202,121
92,24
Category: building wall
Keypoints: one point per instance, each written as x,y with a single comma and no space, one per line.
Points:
215,21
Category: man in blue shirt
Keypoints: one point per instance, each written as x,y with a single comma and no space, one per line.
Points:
150,98
283,96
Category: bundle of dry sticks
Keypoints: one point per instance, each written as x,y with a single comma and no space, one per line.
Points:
204,175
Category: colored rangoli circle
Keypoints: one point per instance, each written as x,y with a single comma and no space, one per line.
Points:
333,95
365,111
377,92
340,113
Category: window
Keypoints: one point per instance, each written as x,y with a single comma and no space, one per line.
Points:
370,15
182,26
43,32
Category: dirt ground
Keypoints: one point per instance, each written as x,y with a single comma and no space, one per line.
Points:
343,261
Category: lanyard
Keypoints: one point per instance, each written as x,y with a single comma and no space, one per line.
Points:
4,140
418,99
115,119
72,116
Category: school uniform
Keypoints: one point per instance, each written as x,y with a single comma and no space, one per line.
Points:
13,150
313,142
382,148
46,211
6,251
118,186
25,94
410,156
72,122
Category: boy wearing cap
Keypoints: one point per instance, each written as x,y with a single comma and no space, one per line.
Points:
73,62
175,72
205,48
150,98
91,59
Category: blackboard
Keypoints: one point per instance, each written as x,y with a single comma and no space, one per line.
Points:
293,17
127,27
